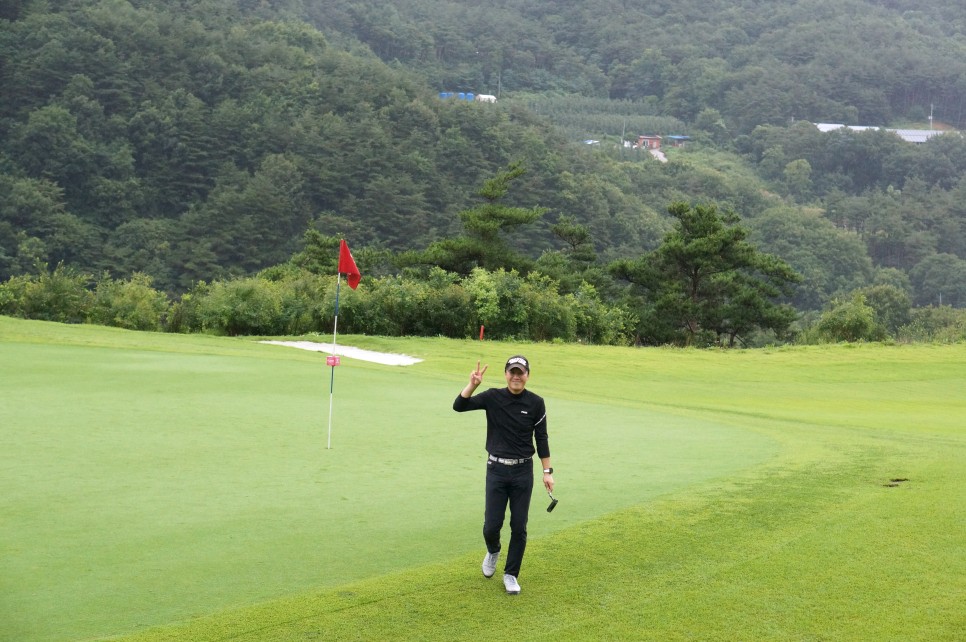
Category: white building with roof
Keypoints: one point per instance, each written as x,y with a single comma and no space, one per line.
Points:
909,135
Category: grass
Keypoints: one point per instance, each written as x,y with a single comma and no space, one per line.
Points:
165,487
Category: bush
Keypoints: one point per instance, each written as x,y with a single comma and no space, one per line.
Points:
598,323
892,306
851,320
380,309
497,301
940,324
183,314
60,295
133,305
301,300
548,314
448,310
11,295
249,306
396,306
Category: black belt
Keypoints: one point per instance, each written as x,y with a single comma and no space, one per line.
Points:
510,462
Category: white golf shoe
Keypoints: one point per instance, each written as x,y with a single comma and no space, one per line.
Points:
489,564
512,587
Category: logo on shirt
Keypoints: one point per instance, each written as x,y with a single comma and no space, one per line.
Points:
524,412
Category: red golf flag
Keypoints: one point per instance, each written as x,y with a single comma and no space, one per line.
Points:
347,265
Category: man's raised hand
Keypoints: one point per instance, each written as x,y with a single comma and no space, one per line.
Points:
476,377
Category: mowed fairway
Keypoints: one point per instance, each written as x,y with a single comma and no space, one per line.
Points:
166,487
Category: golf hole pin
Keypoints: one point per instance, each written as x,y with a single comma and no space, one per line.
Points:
333,360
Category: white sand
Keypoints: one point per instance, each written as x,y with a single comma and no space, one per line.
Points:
384,358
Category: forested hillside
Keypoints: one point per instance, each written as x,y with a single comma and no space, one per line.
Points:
194,144
868,62
200,141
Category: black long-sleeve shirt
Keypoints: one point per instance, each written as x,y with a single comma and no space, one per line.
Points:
513,422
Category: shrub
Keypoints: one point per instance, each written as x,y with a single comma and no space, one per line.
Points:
481,288
940,324
497,299
376,310
599,323
397,306
548,314
133,304
892,306
250,306
60,295
11,295
851,320
183,315
446,307
300,300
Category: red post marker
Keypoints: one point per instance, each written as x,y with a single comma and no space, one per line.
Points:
481,333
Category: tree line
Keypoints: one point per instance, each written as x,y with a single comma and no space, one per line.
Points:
704,285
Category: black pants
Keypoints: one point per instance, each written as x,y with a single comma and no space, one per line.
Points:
511,485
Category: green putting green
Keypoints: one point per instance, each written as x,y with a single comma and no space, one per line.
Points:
152,478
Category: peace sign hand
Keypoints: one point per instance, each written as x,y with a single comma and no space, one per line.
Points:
476,377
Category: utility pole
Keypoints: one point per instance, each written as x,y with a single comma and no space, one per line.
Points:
623,131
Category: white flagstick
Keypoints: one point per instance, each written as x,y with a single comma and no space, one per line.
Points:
333,359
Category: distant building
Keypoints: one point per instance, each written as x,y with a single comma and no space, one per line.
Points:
909,135
467,95
917,135
648,141
460,95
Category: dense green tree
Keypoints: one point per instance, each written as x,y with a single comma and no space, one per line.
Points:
30,210
798,178
850,320
711,122
484,244
143,246
176,151
707,282
10,9
579,244
700,83
950,221
49,146
319,253
831,261
892,306
30,204
940,279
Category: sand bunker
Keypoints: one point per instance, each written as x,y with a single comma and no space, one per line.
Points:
384,358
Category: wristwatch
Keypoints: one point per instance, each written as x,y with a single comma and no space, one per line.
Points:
548,471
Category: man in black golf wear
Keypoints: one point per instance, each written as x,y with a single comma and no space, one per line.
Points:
515,419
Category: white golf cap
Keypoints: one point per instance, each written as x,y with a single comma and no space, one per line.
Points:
517,361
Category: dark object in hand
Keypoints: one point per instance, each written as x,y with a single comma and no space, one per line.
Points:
553,503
